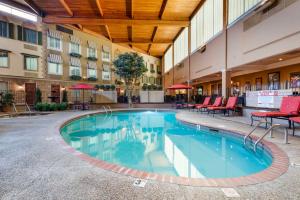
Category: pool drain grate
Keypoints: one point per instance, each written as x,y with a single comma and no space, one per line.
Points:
295,165
139,183
230,192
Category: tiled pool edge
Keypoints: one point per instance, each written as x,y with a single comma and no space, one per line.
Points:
278,167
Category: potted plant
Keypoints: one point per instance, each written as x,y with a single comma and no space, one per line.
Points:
65,96
77,55
92,79
75,77
38,96
112,87
144,87
107,87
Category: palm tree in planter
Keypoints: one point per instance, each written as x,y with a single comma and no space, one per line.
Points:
130,67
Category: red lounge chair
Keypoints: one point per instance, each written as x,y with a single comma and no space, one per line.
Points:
290,107
294,120
205,104
230,105
217,103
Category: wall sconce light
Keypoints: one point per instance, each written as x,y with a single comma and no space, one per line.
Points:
21,87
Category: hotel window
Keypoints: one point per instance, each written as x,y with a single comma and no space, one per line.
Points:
55,64
75,67
74,48
54,41
91,71
105,53
55,68
151,80
181,46
106,72
29,35
207,23
3,29
30,63
237,8
92,52
3,59
168,59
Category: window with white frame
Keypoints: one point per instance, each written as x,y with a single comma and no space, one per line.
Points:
105,56
106,74
30,63
168,59
207,23
54,41
55,64
92,52
236,8
75,71
91,71
181,46
55,68
75,67
75,48
3,59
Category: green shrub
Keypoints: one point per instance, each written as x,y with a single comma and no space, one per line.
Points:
45,107
159,87
63,106
38,106
53,107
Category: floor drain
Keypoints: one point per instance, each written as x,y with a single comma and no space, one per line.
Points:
139,183
230,192
295,164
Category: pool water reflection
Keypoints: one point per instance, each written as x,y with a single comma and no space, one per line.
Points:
157,142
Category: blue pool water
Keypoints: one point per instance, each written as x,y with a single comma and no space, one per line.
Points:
156,142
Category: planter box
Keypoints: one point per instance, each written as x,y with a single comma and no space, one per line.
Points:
152,96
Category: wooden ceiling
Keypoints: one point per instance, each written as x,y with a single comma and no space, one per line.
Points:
147,25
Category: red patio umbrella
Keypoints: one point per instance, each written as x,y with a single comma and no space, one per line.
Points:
179,87
83,87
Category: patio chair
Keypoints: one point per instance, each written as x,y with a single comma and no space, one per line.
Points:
205,104
217,103
290,107
230,106
294,120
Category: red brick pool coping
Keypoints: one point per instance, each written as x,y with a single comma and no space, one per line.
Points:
278,167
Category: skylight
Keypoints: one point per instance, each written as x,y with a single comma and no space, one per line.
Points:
17,12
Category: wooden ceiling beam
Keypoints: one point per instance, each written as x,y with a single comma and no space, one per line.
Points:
152,38
66,7
34,7
128,22
162,9
140,42
108,33
129,8
99,7
197,8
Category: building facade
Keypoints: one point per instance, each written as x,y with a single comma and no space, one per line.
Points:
52,58
255,49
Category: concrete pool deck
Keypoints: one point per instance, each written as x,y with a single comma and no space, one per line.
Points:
34,165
